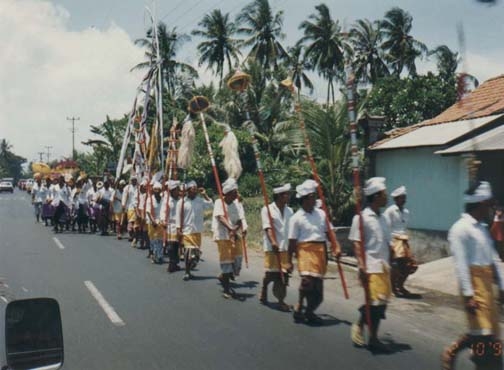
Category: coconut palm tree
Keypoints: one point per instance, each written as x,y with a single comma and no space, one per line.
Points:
264,30
324,49
219,46
298,66
169,43
402,49
368,60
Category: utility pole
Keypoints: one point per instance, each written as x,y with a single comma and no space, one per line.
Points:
73,119
48,152
40,155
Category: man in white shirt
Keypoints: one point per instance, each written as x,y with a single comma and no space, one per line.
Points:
39,194
477,268
60,201
307,236
129,204
119,215
105,199
189,223
403,263
373,262
227,220
83,185
154,225
275,223
168,216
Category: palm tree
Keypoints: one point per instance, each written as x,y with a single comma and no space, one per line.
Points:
263,31
367,56
402,49
298,65
324,50
169,43
220,47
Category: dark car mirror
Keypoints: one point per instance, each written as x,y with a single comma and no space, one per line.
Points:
33,334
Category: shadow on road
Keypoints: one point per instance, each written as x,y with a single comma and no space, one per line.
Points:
329,320
245,284
198,277
394,347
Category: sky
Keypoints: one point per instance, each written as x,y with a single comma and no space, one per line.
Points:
72,58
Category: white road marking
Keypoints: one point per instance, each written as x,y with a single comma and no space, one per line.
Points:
6,285
24,289
109,310
58,243
4,299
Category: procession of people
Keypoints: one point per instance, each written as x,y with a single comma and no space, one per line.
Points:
166,218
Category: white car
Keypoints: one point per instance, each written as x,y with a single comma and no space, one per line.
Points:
6,186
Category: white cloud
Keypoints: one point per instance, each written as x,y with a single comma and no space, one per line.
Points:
48,73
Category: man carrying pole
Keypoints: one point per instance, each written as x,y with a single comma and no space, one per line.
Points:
227,219
307,234
189,223
476,267
168,219
373,256
275,221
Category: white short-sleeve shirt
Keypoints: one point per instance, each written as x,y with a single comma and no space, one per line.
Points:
280,226
308,226
377,239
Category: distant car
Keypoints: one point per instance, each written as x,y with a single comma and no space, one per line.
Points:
6,186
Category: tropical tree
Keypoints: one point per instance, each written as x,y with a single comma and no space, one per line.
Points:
169,43
264,30
298,65
10,163
324,49
219,46
402,49
368,60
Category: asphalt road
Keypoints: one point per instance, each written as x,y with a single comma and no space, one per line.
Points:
162,322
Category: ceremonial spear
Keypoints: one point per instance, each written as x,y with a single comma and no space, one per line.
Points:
336,249
239,82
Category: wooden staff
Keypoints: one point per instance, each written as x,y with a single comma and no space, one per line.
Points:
240,82
199,104
356,183
336,250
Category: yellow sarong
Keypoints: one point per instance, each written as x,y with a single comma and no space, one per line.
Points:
400,246
228,251
485,321
311,257
192,240
271,261
155,232
380,287
131,215
118,216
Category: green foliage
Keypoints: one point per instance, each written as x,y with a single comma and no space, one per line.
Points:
10,163
410,100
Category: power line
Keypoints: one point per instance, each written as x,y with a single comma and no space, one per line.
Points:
73,119
40,155
48,152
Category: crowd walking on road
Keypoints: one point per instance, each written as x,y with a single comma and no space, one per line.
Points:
166,218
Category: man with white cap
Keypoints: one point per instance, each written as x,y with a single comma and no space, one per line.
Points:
104,198
275,222
172,240
60,201
307,234
189,222
227,220
81,193
477,267
129,204
374,268
118,217
402,262
154,223
140,225
39,194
